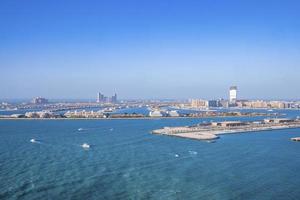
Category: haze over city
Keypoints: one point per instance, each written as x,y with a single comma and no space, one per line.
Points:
149,49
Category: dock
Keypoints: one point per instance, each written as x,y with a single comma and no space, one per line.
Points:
211,131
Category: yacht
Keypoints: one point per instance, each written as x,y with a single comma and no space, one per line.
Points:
33,140
85,146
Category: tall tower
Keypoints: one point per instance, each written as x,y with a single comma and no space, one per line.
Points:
232,94
114,98
99,97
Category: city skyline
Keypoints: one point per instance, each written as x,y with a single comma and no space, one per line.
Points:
143,50
101,98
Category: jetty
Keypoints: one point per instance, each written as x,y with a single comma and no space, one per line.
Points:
211,131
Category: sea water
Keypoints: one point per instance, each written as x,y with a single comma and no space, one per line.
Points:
125,161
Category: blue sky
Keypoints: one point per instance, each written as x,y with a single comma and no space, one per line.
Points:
149,49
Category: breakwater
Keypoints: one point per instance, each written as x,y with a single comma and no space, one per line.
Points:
210,131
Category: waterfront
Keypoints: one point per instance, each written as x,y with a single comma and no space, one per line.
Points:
212,130
131,113
125,161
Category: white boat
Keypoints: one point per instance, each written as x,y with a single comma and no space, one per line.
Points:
85,146
33,140
270,110
80,129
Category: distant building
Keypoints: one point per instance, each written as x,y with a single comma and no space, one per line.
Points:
278,104
241,103
114,99
229,123
103,99
41,114
39,100
17,115
256,104
32,115
266,104
156,113
224,103
173,113
233,95
100,98
279,120
199,103
213,103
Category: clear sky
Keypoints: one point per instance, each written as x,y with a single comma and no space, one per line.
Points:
149,49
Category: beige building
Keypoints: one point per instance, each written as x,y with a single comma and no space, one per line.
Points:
256,104
264,104
199,103
277,104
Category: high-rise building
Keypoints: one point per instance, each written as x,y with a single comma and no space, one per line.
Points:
103,99
114,99
39,100
100,98
233,94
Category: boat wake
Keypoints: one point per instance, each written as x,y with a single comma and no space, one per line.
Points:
81,129
211,141
193,152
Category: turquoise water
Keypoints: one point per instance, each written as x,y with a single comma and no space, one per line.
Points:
126,162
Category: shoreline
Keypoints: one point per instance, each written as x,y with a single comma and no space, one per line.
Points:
150,118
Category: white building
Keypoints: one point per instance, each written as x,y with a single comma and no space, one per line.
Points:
156,113
232,94
173,113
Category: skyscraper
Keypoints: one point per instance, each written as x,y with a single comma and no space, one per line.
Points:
232,94
114,98
104,99
100,98
39,100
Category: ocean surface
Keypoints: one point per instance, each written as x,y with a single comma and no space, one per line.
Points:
125,161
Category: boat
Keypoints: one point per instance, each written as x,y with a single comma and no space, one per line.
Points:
296,139
33,140
85,146
80,129
270,110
